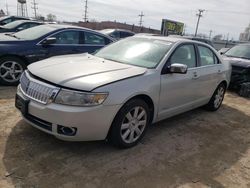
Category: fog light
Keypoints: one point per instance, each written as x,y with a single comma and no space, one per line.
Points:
67,131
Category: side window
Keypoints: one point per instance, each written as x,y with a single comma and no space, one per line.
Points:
67,37
7,21
91,38
116,35
125,34
184,54
207,57
24,26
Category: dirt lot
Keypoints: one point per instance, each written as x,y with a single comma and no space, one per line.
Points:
195,149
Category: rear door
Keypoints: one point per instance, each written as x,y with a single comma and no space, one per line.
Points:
208,71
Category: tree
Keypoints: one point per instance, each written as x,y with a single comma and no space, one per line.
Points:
51,17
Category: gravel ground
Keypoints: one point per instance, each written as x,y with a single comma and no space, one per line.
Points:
196,149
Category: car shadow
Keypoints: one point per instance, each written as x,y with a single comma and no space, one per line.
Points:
195,147
7,92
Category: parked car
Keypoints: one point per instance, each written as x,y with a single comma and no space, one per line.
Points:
118,92
19,25
118,33
239,57
8,19
22,48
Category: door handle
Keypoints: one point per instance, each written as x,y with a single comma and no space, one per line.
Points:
219,71
195,76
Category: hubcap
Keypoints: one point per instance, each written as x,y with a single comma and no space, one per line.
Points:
133,125
219,97
10,71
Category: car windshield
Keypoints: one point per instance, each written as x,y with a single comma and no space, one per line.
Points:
12,25
35,32
136,51
241,51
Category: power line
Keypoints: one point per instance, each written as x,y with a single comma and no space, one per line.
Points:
198,21
34,7
86,11
141,21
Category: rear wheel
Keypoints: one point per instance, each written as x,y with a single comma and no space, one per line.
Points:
11,69
217,98
130,124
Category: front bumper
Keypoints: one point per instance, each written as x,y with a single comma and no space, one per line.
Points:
92,123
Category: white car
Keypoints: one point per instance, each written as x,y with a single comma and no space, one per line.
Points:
122,89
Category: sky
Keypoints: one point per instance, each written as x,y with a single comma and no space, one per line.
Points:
221,16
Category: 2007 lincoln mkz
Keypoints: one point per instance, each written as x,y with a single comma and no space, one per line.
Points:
119,91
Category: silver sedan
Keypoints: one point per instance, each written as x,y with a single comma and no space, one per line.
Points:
118,92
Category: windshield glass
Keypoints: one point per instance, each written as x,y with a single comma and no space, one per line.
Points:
136,51
35,32
12,25
241,51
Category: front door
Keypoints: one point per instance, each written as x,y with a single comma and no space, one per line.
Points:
180,92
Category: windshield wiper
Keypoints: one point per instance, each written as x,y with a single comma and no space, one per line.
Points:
12,35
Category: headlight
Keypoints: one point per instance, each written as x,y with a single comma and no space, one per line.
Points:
75,98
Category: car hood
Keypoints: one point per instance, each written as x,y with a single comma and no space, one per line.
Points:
239,62
83,72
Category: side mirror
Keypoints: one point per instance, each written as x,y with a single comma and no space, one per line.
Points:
49,41
177,68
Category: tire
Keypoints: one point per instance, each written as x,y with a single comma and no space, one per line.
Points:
130,124
11,69
245,90
217,98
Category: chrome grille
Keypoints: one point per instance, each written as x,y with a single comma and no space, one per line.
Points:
37,90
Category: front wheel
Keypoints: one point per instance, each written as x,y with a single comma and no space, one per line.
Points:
11,69
217,98
130,124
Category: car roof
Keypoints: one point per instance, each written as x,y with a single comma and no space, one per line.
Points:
124,30
26,21
164,38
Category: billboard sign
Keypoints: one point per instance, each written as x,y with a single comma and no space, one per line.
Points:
170,27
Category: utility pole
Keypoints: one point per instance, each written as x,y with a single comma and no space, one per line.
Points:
34,7
210,34
198,21
141,21
7,8
86,11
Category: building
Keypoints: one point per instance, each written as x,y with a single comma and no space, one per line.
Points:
2,13
245,36
117,25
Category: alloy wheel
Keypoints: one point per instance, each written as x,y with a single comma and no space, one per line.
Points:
133,124
10,71
219,97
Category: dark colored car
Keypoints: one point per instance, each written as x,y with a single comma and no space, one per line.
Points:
8,19
22,48
239,57
18,26
117,33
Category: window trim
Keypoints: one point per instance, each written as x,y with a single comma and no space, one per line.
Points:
199,56
167,64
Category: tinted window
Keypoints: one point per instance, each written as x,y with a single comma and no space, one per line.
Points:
184,55
115,34
7,21
91,38
125,34
135,51
67,37
206,55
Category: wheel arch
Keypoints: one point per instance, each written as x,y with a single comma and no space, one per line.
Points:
25,60
146,98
